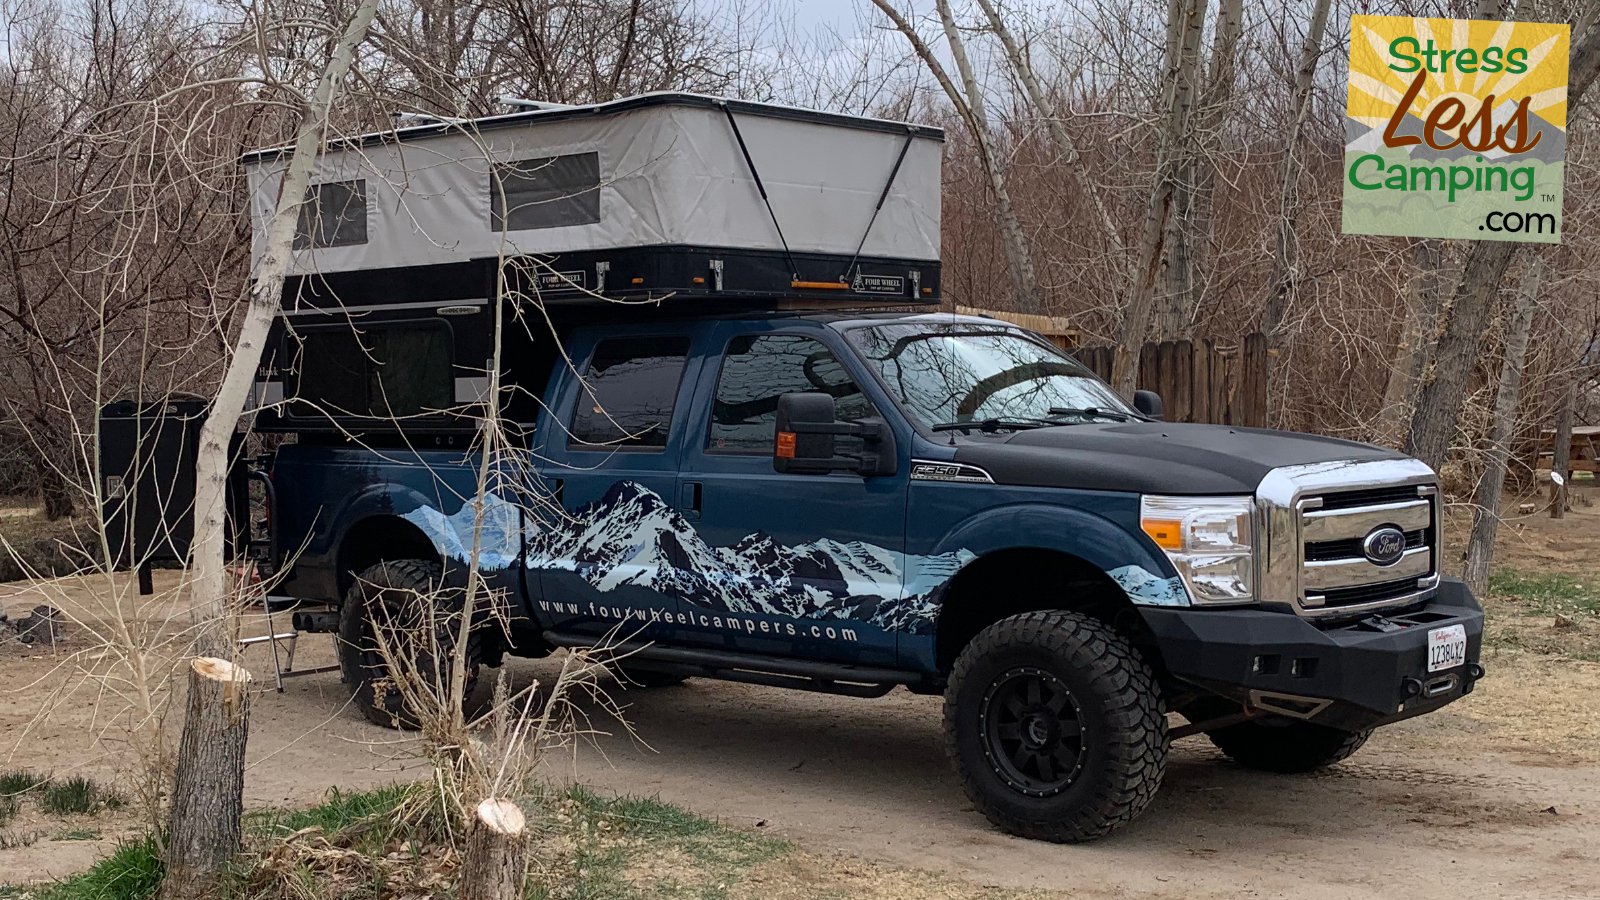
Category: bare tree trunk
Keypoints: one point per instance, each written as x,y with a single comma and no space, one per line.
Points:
1172,304
496,860
210,769
1486,510
1561,453
1213,107
1413,352
1184,17
1438,409
970,107
1280,288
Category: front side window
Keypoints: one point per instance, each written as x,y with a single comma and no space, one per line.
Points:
756,371
629,390
334,215
548,192
380,371
963,372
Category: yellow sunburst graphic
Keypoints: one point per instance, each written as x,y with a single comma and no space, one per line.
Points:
1434,61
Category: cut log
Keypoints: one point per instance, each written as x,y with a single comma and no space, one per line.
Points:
208,794
496,862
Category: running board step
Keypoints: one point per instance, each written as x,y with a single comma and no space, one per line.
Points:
831,678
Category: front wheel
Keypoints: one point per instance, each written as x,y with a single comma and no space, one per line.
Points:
1056,726
1287,747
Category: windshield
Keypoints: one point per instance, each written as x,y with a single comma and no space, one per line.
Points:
964,372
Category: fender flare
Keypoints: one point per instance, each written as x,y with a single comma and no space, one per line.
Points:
1130,559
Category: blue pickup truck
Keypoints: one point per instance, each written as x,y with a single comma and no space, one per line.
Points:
728,461
852,502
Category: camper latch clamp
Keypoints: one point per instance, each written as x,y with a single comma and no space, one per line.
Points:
716,274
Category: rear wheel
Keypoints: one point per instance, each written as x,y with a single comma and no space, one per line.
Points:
1056,726
1287,747
419,620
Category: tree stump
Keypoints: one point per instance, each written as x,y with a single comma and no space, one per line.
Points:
496,860
208,792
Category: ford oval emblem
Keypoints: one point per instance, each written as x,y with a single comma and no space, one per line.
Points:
1384,545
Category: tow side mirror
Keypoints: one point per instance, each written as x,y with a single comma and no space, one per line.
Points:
1148,403
806,437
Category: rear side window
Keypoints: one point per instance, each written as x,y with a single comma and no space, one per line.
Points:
548,192
756,371
631,386
394,370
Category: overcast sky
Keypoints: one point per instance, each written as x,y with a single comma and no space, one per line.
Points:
811,13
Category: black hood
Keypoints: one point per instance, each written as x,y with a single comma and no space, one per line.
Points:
1154,457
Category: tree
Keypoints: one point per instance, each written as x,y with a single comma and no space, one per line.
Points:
208,786
1438,408
1486,511
969,104
1285,257
1185,20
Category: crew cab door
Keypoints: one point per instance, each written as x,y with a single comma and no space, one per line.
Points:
786,564
603,543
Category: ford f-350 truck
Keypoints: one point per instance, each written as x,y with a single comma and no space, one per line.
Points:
850,503
736,473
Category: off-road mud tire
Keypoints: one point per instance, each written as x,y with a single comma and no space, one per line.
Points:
1121,755
1285,747
399,584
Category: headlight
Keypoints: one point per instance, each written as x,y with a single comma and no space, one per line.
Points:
1210,541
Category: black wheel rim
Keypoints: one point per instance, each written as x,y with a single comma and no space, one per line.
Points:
1032,732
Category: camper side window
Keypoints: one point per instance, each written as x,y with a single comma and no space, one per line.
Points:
548,192
334,215
398,370
630,389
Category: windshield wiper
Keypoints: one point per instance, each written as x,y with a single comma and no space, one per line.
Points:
1100,411
1014,423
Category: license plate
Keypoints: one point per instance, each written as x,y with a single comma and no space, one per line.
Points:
1447,648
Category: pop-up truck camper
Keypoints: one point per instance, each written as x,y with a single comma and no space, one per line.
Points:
747,446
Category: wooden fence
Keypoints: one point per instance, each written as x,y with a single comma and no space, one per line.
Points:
1199,381
1217,381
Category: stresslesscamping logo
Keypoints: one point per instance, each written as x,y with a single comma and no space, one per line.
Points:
1456,128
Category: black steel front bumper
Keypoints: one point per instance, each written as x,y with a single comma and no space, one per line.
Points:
1351,675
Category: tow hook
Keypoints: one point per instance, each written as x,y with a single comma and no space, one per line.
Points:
1475,671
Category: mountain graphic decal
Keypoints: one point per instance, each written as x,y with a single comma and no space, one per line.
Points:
631,536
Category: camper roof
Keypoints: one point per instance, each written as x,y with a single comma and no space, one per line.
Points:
844,196
556,113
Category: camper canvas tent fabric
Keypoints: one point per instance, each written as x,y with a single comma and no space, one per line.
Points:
655,170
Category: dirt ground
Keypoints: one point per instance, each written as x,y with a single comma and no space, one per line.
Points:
1497,796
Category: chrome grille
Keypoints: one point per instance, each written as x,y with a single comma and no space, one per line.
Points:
1336,576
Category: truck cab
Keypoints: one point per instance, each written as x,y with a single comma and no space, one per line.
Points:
853,502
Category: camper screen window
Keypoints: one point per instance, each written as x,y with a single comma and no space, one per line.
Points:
334,215
632,387
385,371
549,192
